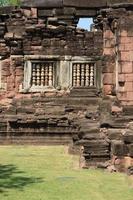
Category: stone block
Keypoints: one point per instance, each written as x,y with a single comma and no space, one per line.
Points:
128,86
108,34
121,77
27,12
128,137
85,4
129,96
109,43
42,3
69,11
109,68
109,51
19,79
128,47
125,40
22,110
129,77
107,89
122,95
127,67
118,2
19,71
114,134
119,148
85,12
108,78
125,56
131,150
123,33
11,110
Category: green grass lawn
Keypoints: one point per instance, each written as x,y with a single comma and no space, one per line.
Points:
50,173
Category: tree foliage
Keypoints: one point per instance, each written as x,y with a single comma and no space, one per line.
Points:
9,2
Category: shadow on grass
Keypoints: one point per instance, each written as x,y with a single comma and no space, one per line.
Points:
12,178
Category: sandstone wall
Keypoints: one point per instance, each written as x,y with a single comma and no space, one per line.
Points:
23,35
118,49
97,121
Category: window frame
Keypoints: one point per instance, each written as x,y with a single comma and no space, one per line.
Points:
84,62
29,61
63,73
87,60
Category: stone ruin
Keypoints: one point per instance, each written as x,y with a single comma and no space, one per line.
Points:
60,84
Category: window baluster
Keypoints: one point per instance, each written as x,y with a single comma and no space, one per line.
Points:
82,75
33,76
74,75
87,75
78,75
91,75
42,75
38,75
46,75
50,74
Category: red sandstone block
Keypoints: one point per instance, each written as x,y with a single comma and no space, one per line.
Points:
107,89
128,86
127,103
5,64
129,77
3,79
123,33
18,79
129,47
121,89
130,96
10,83
109,43
126,67
125,56
120,69
125,40
109,51
131,56
19,72
108,34
108,79
5,73
116,109
34,12
10,87
126,47
121,77
109,68
121,47
122,96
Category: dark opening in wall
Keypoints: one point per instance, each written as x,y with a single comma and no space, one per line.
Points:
85,23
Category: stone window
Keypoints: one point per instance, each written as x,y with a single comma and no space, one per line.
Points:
3,85
83,74
43,74
39,75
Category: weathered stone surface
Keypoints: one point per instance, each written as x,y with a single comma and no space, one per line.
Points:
114,134
128,137
119,148
42,3
131,150
90,118
73,3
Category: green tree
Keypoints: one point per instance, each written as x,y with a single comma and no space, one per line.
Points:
9,2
